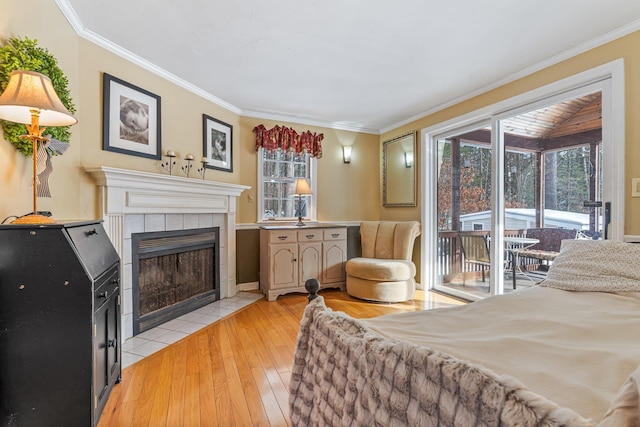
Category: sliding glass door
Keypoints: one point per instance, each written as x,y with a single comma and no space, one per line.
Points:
526,178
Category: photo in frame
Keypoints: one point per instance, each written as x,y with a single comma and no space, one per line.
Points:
217,144
131,119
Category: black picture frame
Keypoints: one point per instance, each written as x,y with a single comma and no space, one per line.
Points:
217,143
126,109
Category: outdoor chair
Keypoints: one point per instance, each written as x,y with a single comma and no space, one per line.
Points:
475,250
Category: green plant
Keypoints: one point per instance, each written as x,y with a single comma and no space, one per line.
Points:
19,54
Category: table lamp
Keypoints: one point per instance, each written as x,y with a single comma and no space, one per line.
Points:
30,98
302,189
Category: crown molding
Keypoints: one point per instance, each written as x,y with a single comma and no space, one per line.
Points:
581,48
306,121
75,22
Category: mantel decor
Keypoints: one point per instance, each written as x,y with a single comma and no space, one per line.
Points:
288,139
131,119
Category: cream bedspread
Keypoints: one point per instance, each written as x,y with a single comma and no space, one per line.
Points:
541,336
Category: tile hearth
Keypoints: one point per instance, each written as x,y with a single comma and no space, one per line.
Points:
142,345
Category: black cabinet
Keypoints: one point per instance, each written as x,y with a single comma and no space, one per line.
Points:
59,323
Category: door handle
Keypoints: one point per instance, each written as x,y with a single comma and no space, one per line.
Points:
607,219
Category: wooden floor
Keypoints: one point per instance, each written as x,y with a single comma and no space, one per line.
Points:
235,372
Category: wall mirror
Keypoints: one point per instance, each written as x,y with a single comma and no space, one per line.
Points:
399,171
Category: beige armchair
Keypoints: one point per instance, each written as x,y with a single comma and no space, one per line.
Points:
385,272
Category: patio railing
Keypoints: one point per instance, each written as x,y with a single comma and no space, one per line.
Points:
451,263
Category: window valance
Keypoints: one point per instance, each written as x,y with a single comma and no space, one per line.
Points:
287,139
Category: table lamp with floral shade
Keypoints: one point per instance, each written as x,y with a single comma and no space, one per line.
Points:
30,98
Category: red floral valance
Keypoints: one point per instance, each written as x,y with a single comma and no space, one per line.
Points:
287,139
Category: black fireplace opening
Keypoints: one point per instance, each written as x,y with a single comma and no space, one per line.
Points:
173,273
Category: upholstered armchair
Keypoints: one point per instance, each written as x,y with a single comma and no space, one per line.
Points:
385,272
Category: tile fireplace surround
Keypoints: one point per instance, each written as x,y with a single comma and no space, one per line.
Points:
136,202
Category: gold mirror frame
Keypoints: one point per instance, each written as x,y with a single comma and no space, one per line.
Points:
399,176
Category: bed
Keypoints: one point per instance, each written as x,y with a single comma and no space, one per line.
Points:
563,353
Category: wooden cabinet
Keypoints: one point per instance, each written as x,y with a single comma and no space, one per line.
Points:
59,323
289,256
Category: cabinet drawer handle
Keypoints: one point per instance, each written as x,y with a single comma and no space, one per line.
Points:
310,236
283,237
91,232
334,235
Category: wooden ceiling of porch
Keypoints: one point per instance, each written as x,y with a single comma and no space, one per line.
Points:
574,122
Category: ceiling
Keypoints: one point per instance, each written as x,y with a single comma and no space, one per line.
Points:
358,65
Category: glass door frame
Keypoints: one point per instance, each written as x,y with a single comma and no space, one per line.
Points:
608,79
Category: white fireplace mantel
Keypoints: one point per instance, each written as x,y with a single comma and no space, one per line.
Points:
127,193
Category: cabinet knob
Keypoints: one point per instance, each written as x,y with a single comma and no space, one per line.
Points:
112,343
103,295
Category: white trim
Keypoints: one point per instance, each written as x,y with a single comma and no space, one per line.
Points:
611,80
249,286
79,28
563,56
307,121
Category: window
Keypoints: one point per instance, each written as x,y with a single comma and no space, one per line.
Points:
278,171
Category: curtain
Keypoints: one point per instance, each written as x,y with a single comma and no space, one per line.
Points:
287,139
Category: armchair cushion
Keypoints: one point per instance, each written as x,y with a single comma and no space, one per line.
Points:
381,269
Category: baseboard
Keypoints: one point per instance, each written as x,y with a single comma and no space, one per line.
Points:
250,286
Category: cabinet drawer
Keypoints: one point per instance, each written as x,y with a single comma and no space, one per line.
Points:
335,234
283,236
309,236
106,288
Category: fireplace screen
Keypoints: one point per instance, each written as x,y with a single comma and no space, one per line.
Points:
174,272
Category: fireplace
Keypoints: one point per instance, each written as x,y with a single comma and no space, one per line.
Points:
134,202
173,273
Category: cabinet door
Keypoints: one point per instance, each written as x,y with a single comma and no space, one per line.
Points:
100,362
283,266
113,343
310,261
334,258
106,348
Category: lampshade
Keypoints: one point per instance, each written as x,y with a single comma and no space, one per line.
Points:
302,187
29,90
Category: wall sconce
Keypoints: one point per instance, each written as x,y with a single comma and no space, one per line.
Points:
408,159
346,153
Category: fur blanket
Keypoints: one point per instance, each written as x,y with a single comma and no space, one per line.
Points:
345,374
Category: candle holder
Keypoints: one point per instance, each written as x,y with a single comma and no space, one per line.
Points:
168,165
187,168
203,169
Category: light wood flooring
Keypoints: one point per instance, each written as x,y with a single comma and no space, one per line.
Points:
235,372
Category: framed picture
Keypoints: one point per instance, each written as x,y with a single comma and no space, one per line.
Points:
131,119
217,144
